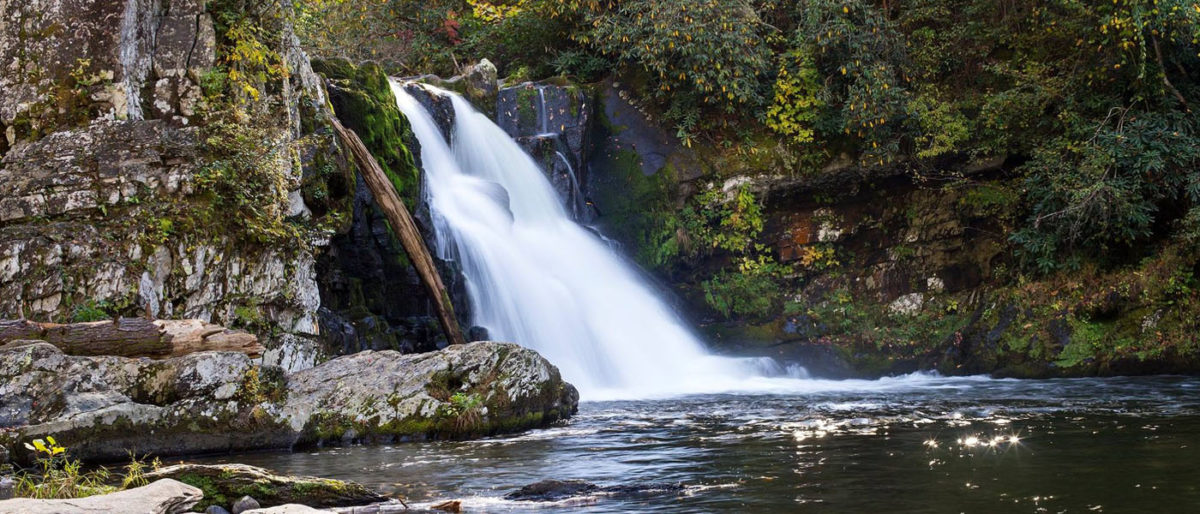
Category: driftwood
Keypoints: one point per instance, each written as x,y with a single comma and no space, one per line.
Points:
405,229
133,337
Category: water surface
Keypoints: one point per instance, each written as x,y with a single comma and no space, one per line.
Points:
911,445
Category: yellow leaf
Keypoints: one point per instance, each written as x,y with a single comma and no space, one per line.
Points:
51,440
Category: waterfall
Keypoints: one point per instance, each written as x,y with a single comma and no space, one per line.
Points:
537,278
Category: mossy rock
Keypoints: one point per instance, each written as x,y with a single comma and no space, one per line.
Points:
223,484
363,100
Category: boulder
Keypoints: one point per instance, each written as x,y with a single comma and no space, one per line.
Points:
244,504
161,497
291,508
552,490
224,482
464,390
482,82
103,407
556,490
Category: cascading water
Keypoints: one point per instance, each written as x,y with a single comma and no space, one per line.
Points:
537,278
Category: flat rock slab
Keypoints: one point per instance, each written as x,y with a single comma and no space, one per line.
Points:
230,481
161,497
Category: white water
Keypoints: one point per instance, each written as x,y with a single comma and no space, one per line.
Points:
537,278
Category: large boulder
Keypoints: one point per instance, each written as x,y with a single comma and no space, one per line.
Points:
461,391
104,407
162,497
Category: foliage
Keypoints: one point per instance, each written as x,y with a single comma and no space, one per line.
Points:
861,58
714,222
753,291
246,179
699,54
1107,192
57,476
92,311
796,105
248,60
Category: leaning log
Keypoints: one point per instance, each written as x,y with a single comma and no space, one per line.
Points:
405,229
133,337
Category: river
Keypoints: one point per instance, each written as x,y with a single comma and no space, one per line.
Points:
914,444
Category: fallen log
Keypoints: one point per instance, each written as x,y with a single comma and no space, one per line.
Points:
133,337
404,227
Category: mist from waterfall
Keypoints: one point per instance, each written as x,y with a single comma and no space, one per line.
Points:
537,278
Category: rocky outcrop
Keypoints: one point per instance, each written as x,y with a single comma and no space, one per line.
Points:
552,122
104,407
113,199
371,296
224,483
160,497
473,389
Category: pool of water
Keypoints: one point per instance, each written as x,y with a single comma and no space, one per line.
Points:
932,445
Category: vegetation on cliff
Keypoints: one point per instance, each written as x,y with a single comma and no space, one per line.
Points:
1085,109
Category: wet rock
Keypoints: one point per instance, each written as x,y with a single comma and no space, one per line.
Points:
7,485
477,333
216,509
552,490
371,297
551,122
225,480
440,107
244,504
291,508
555,490
104,407
161,497
481,82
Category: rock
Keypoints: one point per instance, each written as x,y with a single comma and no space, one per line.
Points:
225,480
552,490
98,177
448,506
104,407
215,509
481,82
7,485
161,497
385,395
555,490
244,504
551,122
291,508
907,305
372,300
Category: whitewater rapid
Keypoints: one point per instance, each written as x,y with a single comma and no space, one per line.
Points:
537,278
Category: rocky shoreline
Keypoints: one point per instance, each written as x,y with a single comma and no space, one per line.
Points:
105,407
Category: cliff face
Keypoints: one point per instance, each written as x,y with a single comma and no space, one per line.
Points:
140,173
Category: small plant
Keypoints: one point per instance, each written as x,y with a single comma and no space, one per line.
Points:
56,476
465,409
60,477
91,311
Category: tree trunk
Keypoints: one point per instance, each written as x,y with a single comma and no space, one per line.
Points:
133,337
405,229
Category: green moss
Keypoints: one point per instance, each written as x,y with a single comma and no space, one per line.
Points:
638,209
212,494
363,100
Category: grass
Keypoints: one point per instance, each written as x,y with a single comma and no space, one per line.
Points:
55,476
